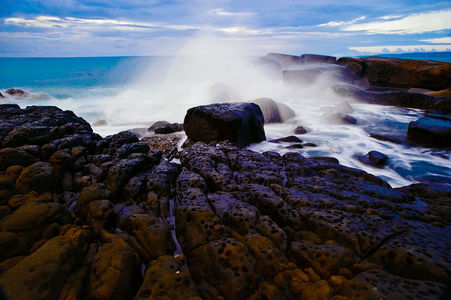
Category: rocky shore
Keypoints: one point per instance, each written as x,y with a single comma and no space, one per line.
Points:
86,217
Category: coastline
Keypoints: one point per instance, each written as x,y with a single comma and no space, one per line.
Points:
83,216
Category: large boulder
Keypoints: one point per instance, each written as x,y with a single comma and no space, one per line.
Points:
434,129
274,112
241,123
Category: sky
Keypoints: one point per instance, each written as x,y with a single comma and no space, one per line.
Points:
54,28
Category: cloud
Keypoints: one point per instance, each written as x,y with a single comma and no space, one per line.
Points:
342,23
391,17
222,12
443,40
400,48
412,24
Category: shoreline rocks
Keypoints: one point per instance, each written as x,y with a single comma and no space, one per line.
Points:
87,217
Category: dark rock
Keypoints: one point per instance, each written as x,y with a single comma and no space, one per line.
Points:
374,158
288,139
396,98
115,272
318,290
432,130
300,130
167,277
315,59
168,143
332,160
241,123
30,220
120,173
17,93
348,119
164,127
42,274
226,266
1,95
125,150
14,156
11,245
39,177
376,284
274,112
151,233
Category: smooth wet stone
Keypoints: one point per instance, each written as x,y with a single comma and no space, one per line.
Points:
300,130
274,112
374,158
288,139
432,130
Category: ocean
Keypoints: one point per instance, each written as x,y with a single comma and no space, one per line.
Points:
134,92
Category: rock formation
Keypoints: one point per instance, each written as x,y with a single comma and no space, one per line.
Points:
83,217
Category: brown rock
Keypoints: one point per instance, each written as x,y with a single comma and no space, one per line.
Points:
42,274
317,291
13,156
167,278
115,272
38,177
11,245
32,218
227,266
406,73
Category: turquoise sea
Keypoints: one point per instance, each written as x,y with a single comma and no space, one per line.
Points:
134,92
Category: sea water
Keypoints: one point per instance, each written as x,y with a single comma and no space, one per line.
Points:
134,92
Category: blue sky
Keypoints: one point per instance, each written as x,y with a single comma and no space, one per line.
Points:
153,27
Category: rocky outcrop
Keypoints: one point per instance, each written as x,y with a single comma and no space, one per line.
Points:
407,73
240,123
396,98
112,219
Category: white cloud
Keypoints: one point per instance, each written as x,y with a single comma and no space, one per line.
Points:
444,40
412,24
400,48
342,23
222,12
391,17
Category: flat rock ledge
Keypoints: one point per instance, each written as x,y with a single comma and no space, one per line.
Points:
83,217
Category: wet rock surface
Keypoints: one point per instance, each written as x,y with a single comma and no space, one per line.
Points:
83,217
241,123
